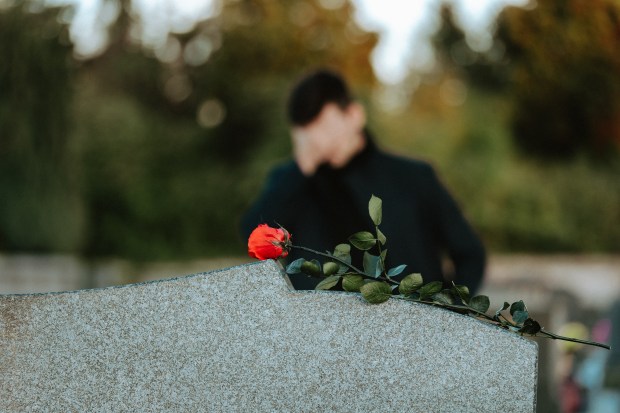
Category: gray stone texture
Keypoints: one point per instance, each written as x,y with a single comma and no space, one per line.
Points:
240,340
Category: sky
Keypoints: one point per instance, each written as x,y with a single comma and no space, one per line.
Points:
404,26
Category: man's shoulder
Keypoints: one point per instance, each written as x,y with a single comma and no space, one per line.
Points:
285,170
403,164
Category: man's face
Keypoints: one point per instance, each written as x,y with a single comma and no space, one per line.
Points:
329,137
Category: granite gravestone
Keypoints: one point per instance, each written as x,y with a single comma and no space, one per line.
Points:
241,339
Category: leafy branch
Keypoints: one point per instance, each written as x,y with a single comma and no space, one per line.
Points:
376,284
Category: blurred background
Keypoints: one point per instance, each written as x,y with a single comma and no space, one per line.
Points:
134,134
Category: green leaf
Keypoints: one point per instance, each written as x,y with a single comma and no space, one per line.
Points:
381,237
330,268
480,303
328,283
462,292
503,308
352,282
343,253
375,209
342,269
530,326
443,297
372,265
410,283
376,292
342,250
517,306
430,289
383,255
295,266
519,317
363,240
311,267
393,272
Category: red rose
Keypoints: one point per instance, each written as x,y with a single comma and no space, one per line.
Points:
266,242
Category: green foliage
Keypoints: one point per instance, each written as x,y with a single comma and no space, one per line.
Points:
517,204
150,195
328,282
428,290
146,170
462,292
342,253
352,282
485,70
107,156
295,266
571,211
566,83
376,292
480,303
410,284
372,264
40,206
363,240
330,268
393,272
185,183
312,268
375,210
378,287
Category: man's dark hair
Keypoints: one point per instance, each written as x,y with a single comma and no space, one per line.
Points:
313,92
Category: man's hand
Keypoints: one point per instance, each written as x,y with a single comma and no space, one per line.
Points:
306,152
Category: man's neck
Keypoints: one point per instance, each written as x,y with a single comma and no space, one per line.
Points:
354,146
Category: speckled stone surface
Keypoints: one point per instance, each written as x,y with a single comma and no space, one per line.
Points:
240,340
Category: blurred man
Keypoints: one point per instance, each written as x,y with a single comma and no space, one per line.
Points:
321,197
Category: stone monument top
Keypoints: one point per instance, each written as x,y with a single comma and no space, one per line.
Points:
240,339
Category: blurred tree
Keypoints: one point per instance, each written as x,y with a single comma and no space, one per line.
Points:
463,126
485,69
40,208
176,137
240,63
566,76
154,151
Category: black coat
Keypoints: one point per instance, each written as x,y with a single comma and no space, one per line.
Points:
421,220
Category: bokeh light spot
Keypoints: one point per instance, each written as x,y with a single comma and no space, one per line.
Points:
453,92
198,50
211,113
177,88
